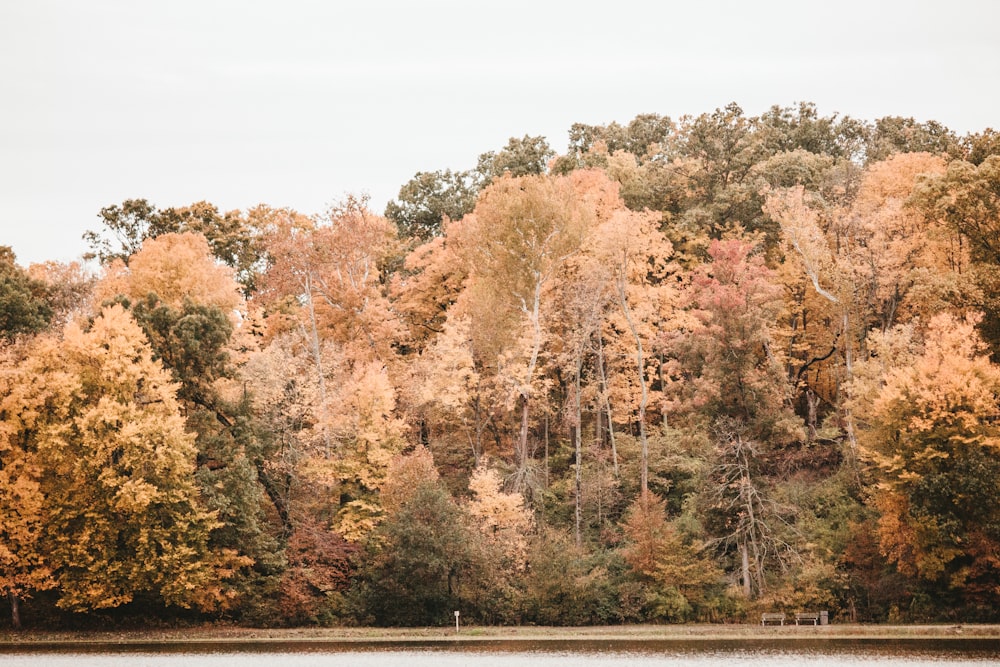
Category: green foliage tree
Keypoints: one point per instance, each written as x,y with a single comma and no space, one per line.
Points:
24,307
896,134
428,198
981,145
967,198
567,585
130,223
422,562
527,156
184,301
644,136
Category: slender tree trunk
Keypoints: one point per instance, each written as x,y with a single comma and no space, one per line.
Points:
751,524
317,359
812,404
663,389
752,530
607,403
577,441
599,424
546,438
745,557
644,395
15,609
479,427
522,441
852,438
534,316
278,495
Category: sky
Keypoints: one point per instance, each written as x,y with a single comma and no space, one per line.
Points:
298,103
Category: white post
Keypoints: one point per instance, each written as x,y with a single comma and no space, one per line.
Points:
456,621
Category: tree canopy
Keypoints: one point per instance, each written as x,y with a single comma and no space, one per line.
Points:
692,369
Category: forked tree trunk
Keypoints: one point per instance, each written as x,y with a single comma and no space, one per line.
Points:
534,317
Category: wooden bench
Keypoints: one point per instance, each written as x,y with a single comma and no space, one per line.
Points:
807,616
772,618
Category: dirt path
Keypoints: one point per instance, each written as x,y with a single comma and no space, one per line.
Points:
226,634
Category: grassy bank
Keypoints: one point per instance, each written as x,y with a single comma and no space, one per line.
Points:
225,634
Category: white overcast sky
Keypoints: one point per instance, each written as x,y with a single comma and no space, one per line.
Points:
297,103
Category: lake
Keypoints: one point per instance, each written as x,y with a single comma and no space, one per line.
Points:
499,653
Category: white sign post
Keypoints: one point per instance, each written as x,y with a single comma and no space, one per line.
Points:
456,621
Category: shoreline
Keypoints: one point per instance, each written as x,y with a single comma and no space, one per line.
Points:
482,634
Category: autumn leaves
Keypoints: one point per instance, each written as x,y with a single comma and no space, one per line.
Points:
693,368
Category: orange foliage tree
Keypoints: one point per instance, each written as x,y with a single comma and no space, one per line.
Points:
932,433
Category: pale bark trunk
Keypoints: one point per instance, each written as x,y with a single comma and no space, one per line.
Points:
534,317
644,395
607,403
747,589
318,360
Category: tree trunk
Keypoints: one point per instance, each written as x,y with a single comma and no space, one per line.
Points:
318,360
745,556
522,441
534,317
15,609
663,389
579,449
644,396
812,403
277,495
607,403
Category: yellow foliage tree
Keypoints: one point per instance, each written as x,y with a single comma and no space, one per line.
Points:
502,517
23,565
123,513
174,267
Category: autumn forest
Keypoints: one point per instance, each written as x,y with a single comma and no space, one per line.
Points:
692,369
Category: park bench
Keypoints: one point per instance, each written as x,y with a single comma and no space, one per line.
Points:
807,617
772,618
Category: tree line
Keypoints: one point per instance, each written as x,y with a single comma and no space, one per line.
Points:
689,370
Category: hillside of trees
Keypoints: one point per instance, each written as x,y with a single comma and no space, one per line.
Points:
691,370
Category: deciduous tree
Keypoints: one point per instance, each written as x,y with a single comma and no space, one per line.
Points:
934,438
515,242
24,567
124,515
24,307
427,199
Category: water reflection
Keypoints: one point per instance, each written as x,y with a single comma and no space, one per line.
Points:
521,653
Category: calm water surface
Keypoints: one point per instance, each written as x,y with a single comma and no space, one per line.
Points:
762,653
